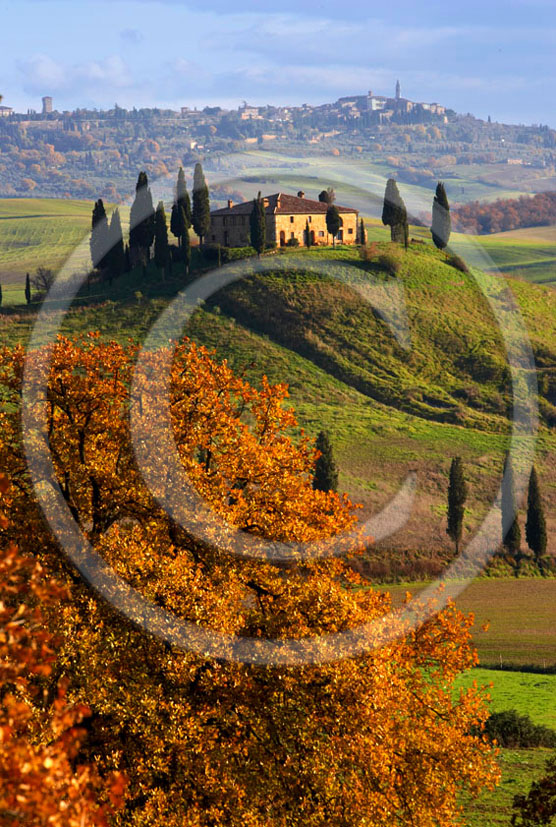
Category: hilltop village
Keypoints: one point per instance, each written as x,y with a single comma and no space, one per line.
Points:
80,153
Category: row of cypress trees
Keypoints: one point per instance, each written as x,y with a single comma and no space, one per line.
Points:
535,525
394,215
326,479
148,227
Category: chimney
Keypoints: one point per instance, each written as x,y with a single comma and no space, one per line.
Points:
301,194
230,203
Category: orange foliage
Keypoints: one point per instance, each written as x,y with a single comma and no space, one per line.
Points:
42,781
378,739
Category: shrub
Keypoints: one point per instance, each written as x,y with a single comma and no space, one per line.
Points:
518,731
211,253
369,252
390,263
458,263
292,242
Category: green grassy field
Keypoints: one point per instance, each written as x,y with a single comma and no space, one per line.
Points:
520,767
37,232
529,694
522,615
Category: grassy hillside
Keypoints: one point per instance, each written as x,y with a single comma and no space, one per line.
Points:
388,410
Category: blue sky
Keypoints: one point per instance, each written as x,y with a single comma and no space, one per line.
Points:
492,58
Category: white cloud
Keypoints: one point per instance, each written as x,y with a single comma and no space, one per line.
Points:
42,74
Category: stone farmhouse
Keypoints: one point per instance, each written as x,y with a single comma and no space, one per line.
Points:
287,217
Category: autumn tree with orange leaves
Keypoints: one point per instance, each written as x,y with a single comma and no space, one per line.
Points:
42,779
374,739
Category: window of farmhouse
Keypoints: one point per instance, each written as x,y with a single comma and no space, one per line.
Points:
291,219
321,233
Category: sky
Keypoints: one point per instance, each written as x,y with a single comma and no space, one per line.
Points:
488,58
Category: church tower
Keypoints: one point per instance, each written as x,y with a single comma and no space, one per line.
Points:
398,90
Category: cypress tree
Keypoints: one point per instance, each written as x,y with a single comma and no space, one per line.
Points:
116,257
308,240
182,197
394,212
100,236
457,494
201,204
511,532
326,471
333,222
362,232
441,220
1,297
535,527
175,224
141,221
257,224
27,289
161,250
185,243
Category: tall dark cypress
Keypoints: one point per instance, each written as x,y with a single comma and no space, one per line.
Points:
308,237
326,471
100,241
441,221
333,222
185,242
201,204
511,532
257,224
457,494
175,224
535,527
116,256
141,222
394,212
27,288
161,250
182,196
362,232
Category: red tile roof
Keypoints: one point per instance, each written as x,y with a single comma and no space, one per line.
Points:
283,204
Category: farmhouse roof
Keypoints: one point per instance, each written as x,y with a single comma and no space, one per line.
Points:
282,204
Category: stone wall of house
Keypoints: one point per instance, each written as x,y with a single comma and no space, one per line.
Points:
229,230
293,226
233,230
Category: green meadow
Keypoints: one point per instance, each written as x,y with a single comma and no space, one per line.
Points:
37,232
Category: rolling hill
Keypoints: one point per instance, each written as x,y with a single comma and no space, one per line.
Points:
388,409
